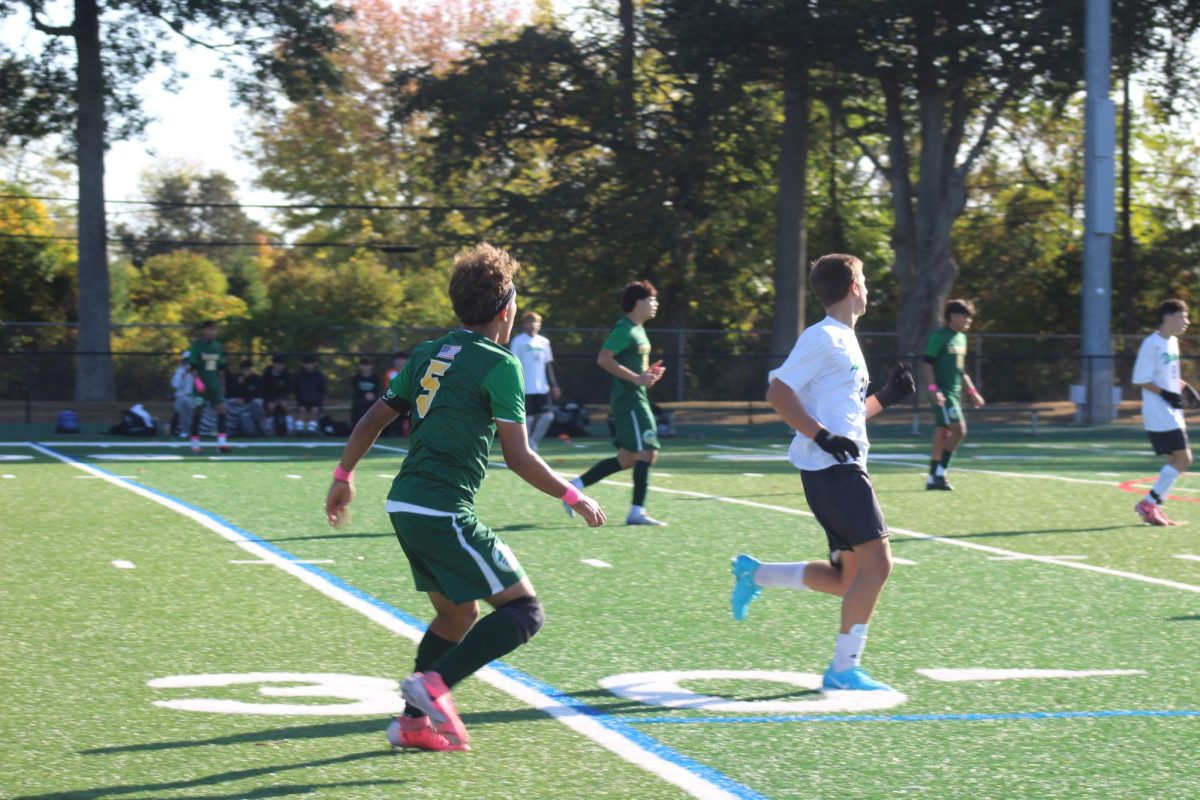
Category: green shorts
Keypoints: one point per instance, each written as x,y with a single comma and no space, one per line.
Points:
949,414
453,554
636,428
209,397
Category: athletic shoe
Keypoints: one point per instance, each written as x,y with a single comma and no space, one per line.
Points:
1151,514
196,448
939,484
643,519
418,733
855,679
428,692
744,588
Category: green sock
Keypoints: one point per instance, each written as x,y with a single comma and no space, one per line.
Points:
494,636
430,649
641,482
600,471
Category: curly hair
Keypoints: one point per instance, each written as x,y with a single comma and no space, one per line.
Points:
480,283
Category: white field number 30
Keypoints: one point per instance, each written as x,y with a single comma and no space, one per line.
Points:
380,696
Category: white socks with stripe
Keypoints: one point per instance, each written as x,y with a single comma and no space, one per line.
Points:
848,652
1166,479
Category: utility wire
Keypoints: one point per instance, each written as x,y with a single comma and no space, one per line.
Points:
291,206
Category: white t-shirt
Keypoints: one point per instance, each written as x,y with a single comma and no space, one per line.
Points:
1158,363
827,371
534,354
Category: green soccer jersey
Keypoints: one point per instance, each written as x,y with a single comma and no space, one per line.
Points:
207,358
458,386
948,350
632,348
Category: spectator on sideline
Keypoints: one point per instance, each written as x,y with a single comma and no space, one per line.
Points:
185,401
364,389
309,387
541,389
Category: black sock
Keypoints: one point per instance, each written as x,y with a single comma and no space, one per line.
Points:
221,423
1156,498
946,456
641,482
933,465
431,648
600,471
496,635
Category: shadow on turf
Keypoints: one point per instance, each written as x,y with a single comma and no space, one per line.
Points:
227,777
1185,618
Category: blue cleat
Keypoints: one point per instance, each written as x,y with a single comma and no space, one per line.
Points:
855,679
744,588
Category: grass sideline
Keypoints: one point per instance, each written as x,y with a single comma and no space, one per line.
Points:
1002,587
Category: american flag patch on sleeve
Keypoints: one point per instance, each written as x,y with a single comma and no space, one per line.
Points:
448,352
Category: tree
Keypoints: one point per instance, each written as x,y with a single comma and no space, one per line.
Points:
38,269
116,43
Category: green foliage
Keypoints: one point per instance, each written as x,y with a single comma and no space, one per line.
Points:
38,271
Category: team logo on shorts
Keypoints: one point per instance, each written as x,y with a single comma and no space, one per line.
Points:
648,436
504,558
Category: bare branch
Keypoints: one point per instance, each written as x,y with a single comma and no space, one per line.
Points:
178,28
49,30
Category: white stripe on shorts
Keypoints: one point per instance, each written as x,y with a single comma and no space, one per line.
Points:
494,584
636,430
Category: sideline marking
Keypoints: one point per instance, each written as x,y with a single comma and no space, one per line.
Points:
15,458
8,477
615,735
983,674
595,562
298,561
983,548
133,457
1023,558
906,561
1188,557
121,563
906,717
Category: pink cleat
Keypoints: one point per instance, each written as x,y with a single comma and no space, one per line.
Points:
418,733
1151,514
428,692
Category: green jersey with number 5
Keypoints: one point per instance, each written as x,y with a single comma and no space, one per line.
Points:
458,386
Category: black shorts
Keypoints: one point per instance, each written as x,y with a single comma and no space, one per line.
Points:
536,404
1167,442
842,499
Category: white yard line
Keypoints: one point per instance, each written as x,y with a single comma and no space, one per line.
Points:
982,548
625,746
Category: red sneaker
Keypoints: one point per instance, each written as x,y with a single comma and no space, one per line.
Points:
428,692
1151,514
418,733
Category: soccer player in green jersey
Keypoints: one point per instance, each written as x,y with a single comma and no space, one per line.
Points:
626,356
944,374
206,357
462,390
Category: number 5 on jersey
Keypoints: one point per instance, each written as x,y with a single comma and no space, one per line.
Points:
430,384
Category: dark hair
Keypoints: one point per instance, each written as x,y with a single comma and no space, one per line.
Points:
961,306
278,358
246,364
832,275
364,361
638,290
481,283
1172,306
308,358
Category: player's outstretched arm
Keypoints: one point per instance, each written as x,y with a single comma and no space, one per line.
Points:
530,467
898,386
341,491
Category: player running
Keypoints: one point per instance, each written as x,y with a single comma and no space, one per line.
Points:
1164,394
626,356
943,372
462,389
206,357
821,392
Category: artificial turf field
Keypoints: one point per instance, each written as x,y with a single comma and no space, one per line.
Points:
131,569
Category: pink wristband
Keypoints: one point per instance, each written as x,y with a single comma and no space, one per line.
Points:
972,391
340,474
572,496
933,389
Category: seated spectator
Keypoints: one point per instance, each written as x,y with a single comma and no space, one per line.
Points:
276,386
309,388
365,390
245,399
185,404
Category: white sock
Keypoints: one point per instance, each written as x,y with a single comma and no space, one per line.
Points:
637,511
312,425
220,438
1162,486
578,484
786,576
941,473
848,652
541,426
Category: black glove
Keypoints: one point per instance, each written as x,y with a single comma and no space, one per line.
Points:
899,385
839,447
1190,396
1172,398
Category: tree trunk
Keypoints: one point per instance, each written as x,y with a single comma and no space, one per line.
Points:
94,373
791,236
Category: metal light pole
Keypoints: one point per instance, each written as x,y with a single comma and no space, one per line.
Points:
1099,214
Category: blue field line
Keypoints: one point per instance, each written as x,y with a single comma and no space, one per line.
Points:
621,727
904,717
